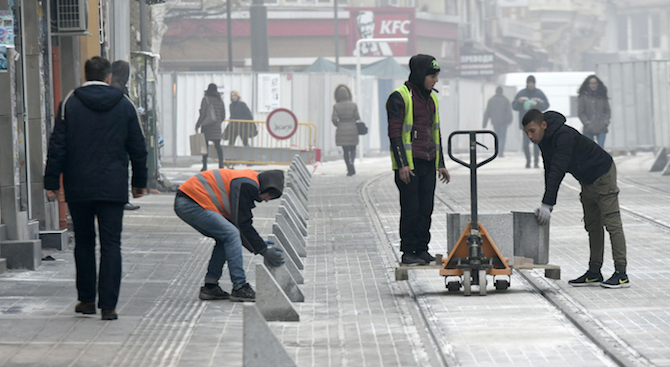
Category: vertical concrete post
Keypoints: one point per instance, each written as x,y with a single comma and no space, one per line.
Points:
35,124
16,221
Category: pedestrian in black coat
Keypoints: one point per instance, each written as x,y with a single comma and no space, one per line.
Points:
499,111
211,127
239,111
95,133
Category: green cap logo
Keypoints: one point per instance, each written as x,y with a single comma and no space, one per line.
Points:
434,65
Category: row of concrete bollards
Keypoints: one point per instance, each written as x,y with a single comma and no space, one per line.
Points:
277,287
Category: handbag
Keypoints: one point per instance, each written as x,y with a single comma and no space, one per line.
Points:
210,115
362,129
198,144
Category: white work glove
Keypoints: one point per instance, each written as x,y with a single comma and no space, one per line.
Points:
543,213
273,256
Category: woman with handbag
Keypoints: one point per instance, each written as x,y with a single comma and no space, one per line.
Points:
212,114
345,115
239,111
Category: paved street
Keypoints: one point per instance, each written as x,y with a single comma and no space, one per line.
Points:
355,313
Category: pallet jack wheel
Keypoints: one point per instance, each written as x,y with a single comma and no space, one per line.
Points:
482,282
454,286
467,280
502,284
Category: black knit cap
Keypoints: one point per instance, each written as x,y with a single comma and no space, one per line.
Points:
421,66
530,79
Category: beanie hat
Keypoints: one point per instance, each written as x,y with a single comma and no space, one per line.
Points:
421,66
530,79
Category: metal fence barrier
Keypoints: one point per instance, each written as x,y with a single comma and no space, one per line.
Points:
249,142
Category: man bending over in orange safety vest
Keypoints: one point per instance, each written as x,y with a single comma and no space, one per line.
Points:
218,204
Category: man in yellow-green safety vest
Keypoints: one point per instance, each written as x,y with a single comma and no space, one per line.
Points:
416,152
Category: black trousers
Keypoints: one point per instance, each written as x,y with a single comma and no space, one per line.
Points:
416,207
110,224
526,150
349,157
219,152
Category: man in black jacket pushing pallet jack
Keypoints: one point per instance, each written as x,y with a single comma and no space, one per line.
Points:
564,149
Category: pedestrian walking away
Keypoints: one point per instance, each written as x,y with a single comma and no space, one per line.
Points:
564,149
239,111
212,114
120,75
525,100
95,133
499,111
345,115
593,109
218,204
416,154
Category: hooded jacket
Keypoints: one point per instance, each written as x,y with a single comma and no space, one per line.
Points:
345,115
95,133
564,149
243,188
423,145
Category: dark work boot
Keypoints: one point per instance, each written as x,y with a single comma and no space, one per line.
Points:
109,315
412,260
87,308
426,256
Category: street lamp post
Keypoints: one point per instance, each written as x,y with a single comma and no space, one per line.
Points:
358,60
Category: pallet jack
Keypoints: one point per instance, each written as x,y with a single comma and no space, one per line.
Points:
475,255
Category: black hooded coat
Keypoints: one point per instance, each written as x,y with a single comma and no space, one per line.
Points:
564,149
91,145
270,181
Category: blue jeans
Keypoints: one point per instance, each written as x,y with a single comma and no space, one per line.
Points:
600,137
228,245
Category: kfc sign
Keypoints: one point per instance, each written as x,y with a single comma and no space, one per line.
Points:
382,23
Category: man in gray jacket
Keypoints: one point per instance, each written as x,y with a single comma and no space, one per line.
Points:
498,109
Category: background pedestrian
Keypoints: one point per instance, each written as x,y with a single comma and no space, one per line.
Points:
239,111
212,114
499,111
345,115
525,100
593,108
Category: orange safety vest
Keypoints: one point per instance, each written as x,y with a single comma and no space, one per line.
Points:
218,190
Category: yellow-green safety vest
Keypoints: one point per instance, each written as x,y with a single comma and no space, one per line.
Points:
407,125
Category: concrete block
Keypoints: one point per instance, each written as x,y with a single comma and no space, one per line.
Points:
660,161
271,300
289,213
3,232
302,199
299,175
499,226
57,239
33,230
302,165
289,263
22,254
666,170
299,186
531,240
3,265
290,197
292,235
260,347
285,280
287,246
